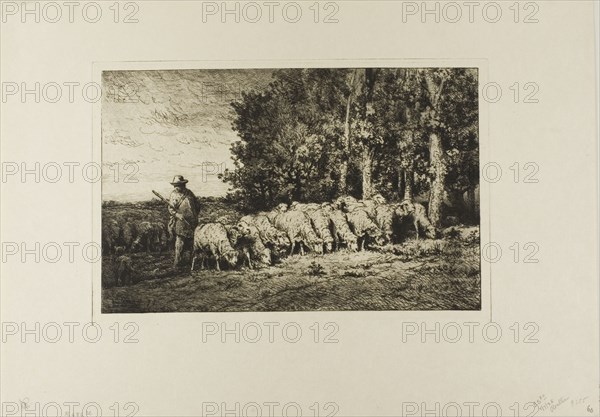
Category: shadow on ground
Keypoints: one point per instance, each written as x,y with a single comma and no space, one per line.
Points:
439,274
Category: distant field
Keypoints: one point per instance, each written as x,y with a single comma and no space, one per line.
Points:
211,209
439,274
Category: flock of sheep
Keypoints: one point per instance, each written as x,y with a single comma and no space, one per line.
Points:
129,234
259,239
346,222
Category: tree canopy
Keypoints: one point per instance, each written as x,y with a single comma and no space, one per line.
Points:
315,134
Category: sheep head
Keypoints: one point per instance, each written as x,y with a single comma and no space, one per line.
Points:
231,257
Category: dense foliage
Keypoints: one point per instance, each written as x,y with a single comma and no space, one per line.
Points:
314,134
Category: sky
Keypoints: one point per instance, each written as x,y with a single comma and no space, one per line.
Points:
160,123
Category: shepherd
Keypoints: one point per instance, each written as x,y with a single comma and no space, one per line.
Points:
184,209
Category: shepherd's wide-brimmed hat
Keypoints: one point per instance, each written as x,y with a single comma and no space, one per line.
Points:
179,180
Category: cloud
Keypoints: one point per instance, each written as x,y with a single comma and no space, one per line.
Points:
171,121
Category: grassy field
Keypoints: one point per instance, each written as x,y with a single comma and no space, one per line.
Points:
211,210
439,274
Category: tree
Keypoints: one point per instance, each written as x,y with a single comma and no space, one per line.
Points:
345,151
333,93
434,81
461,129
364,120
403,155
450,120
289,134
314,134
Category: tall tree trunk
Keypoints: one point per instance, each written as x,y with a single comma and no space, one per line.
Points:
408,184
407,161
343,186
297,193
436,150
367,172
401,181
368,149
436,195
470,204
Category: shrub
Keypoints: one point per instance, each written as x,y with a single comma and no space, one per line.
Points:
315,269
